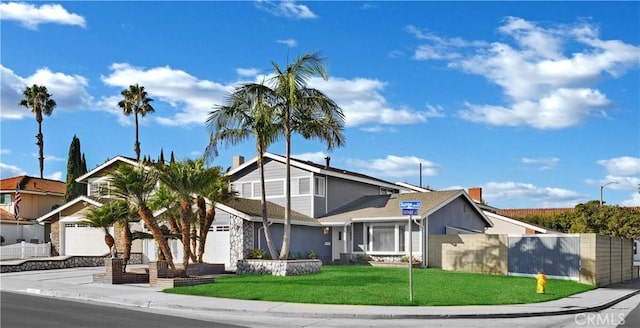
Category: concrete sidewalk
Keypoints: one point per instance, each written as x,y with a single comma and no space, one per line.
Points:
78,284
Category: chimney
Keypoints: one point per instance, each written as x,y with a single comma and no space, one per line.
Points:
327,161
476,194
237,161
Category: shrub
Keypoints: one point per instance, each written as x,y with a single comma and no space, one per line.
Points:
312,255
256,253
360,258
405,259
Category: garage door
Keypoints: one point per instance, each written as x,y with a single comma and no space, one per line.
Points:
218,247
80,239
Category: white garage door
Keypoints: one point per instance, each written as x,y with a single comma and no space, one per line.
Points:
80,239
218,247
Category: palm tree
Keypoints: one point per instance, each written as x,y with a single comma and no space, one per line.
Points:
185,178
248,113
307,111
215,191
135,184
40,102
123,220
137,102
104,217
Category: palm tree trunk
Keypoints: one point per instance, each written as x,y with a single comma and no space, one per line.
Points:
203,227
286,236
40,144
147,216
128,239
263,202
136,146
185,214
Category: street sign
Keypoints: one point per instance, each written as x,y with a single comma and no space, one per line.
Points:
410,205
409,211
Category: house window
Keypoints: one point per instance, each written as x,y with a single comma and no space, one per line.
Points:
245,190
386,238
304,186
99,189
5,199
318,186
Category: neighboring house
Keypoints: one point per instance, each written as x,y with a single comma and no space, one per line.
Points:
38,196
505,225
68,230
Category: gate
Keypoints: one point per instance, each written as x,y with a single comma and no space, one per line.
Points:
557,256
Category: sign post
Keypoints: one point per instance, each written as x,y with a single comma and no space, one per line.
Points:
410,208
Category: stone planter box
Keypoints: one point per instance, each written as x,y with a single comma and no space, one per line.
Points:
279,267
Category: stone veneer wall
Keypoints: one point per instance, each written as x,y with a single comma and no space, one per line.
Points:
279,267
55,238
62,263
241,239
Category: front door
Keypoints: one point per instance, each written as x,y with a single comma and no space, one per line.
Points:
339,242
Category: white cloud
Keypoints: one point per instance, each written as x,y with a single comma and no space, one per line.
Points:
30,16
69,91
633,201
5,151
362,102
8,171
394,166
624,166
545,163
249,72
55,176
291,43
547,196
378,129
286,8
50,158
316,157
191,97
546,86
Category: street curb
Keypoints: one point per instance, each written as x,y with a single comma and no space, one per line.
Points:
326,315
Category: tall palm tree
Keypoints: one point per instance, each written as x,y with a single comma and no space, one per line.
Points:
136,101
40,102
248,113
135,184
185,178
306,111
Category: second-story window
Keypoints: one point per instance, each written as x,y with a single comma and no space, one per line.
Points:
99,189
318,186
5,199
304,186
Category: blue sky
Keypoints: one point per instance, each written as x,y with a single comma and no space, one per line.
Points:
537,103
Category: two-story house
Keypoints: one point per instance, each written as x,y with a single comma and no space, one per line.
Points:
341,212
37,197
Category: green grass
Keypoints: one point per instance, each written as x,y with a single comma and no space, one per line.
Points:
364,285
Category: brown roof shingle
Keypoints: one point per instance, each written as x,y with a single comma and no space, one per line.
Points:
28,183
253,207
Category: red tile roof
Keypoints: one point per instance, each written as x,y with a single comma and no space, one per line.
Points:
28,183
4,215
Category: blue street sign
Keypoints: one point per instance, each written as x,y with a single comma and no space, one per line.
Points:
410,205
409,211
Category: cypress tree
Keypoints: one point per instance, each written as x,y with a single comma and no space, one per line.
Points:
161,158
74,170
173,159
84,170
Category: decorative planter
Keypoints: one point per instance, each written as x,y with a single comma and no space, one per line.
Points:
278,267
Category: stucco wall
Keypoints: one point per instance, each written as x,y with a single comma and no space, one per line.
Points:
469,253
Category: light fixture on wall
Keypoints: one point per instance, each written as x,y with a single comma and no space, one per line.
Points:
325,230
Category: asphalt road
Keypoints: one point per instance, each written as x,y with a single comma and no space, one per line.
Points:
19,310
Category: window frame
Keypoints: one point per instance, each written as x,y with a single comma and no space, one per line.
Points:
6,196
399,236
319,182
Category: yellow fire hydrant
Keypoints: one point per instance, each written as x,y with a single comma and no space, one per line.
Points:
541,283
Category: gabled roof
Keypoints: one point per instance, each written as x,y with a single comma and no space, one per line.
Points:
413,188
493,216
320,169
87,200
387,207
251,210
105,165
29,184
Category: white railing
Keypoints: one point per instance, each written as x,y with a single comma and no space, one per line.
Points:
24,250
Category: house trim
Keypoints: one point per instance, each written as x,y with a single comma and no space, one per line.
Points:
106,164
67,205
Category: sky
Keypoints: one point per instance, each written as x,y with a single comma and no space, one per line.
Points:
538,103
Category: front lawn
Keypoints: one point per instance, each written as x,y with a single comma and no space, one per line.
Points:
364,285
